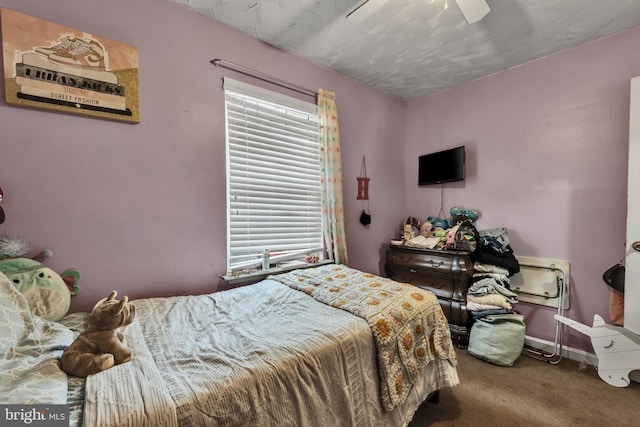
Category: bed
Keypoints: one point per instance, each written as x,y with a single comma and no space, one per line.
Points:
312,347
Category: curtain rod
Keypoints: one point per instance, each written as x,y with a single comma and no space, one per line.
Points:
261,76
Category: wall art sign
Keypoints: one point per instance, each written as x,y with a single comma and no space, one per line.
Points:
58,68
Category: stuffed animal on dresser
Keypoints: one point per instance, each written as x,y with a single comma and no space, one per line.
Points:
100,346
426,229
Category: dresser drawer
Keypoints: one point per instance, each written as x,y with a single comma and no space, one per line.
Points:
440,283
429,263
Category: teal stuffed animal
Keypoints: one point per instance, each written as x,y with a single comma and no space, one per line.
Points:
470,214
47,292
442,223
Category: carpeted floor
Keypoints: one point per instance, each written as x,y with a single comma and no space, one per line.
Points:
530,393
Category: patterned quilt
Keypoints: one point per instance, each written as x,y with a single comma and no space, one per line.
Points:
407,322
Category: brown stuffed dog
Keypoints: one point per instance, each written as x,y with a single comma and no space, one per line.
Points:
100,346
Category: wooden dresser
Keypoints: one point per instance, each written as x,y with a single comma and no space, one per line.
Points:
446,273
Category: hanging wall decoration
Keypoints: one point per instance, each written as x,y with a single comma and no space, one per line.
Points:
363,182
363,193
53,67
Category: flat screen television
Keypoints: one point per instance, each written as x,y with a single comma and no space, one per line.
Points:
442,166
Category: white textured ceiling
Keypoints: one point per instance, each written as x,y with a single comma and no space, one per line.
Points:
411,48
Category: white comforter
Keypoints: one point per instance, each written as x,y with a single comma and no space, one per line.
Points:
261,355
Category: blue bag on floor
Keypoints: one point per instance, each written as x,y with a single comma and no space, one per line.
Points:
497,338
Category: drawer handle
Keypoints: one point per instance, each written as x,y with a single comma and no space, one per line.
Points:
413,271
436,264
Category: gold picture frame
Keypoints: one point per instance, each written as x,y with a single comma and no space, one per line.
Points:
54,67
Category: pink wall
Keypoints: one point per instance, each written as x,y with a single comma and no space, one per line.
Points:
141,208
547,158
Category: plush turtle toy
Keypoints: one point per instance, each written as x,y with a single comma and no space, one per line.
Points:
101,345
47,292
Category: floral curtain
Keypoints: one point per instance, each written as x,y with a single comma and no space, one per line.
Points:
331,169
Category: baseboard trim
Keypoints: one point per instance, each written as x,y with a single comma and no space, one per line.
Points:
568,352
573,354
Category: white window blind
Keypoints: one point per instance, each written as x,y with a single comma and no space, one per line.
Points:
273,177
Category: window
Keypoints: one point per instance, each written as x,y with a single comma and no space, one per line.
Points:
273,177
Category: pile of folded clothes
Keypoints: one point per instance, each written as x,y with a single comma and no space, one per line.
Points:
490,291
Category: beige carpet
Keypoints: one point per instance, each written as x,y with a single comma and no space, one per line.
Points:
530,393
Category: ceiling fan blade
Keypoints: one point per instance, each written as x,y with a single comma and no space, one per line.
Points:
473,10
365,10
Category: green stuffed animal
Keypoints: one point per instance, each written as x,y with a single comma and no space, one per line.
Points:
101,345
47,292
